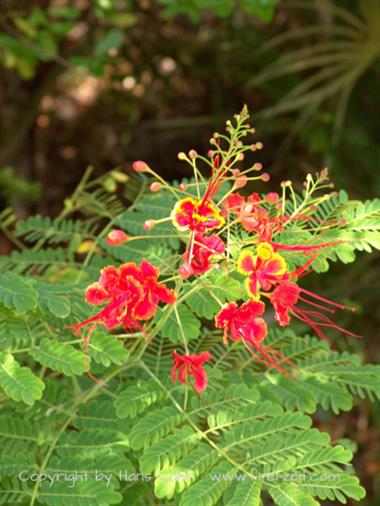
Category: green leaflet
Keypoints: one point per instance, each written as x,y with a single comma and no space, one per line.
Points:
82,494
18,382
247,493
17,293
59,357
106,349
135,399
189,322
53,230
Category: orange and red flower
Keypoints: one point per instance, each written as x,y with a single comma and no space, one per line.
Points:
204,248
285,297
132,294
245,323
253,217
262,270
185,366
197,216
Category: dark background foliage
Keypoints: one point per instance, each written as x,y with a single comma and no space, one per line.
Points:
105,82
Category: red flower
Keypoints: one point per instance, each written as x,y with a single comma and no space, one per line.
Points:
190,365
262,270
196,215
132,293
203,250
116,237
153,292
245,323
284,299
253,217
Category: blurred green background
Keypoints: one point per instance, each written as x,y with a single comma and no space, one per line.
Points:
104,82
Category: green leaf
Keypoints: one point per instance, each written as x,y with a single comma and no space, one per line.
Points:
135,399
83,493
59,357
289,494
17,293
59,307
106,349
264,9
189,322
246,493
112,40
18,382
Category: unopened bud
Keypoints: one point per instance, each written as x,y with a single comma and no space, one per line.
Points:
182,187
116,237
149,224
272,197
240,182
181,156
192,154
257,166
185,271
265,177
140,166
235,172
155,187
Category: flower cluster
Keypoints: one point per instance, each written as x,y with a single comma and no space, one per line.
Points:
209,216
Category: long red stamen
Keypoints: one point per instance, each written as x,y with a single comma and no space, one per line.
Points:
269,361
316,305
298,272
306,248
327,301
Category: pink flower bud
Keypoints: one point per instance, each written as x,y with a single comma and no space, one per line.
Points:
140,166
116,237
240,182
257,166
192,154
272,197
265,177
236,172
149,224
155,187
185,271
182,187
259,145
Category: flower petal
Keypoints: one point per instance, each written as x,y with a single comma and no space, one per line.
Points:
246,262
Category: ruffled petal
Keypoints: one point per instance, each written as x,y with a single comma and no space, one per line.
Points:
96,294
147,269
226,315
246,262
252,288
145,309
276,265
165,294
200,379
